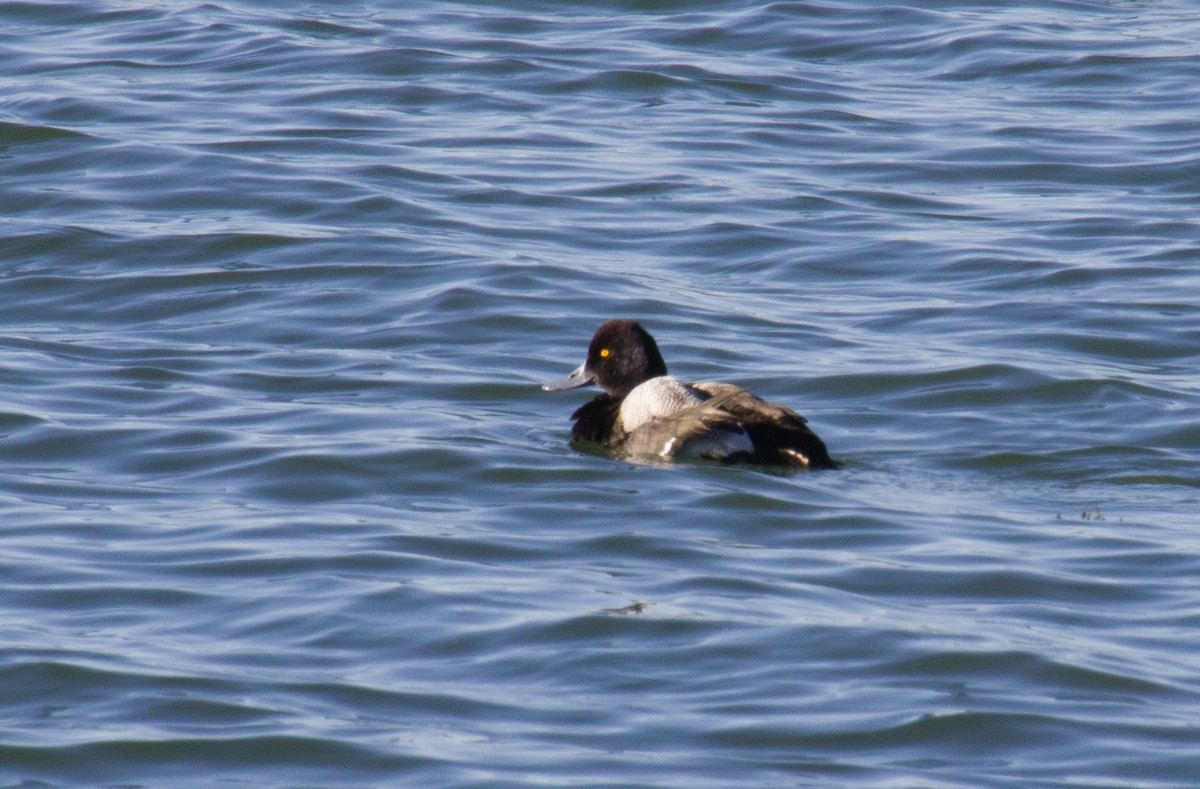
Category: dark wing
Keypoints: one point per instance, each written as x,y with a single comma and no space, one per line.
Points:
780,435
668,436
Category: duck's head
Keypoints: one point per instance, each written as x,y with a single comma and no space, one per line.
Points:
621,355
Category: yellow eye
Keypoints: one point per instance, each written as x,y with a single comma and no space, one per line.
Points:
604,353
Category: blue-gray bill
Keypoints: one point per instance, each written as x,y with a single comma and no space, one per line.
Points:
578,377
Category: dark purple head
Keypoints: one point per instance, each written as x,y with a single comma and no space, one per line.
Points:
621,355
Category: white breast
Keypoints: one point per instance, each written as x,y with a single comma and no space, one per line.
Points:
656,398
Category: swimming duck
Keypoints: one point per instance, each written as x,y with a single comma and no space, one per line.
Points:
645,413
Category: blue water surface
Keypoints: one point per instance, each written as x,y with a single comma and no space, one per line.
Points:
281,502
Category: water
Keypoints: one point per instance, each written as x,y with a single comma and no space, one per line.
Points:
281,503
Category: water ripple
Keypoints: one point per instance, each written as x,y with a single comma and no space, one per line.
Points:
282,502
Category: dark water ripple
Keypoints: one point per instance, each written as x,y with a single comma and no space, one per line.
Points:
281,504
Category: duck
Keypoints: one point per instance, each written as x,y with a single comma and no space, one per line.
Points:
645,414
